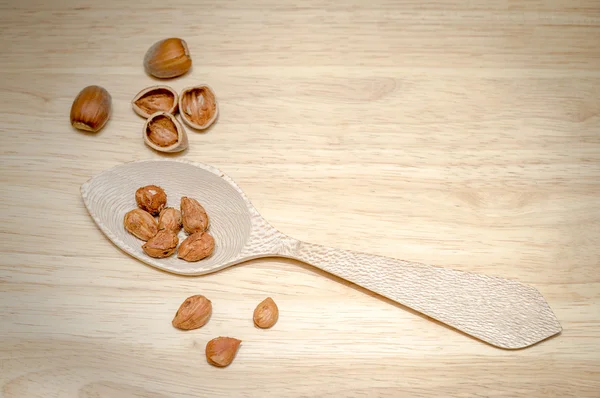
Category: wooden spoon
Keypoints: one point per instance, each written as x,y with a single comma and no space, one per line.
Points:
501,312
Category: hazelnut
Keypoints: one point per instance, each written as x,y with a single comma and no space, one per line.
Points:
155,99
193,216
266,314
161,245
140,223
198,106
221,351
91,109
151,198
195,247
168,58
170,218
193,313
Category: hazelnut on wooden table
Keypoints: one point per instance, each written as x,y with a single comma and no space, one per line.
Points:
221,351
168,58
193,313
266,314
91,109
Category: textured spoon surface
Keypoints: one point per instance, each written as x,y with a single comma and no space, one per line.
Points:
501,312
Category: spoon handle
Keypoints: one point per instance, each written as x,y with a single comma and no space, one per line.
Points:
501,312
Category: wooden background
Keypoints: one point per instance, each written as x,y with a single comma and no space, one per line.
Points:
465,134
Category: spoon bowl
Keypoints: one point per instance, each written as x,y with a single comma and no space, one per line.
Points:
501,312
111,194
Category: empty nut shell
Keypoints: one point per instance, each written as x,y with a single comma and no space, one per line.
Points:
198,106
91,109
193,216
168,58
161,245
155,99
163,132
151,198
140,223
197,246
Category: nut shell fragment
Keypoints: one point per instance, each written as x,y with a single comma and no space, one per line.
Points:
155,99
164,133
198,106
266,314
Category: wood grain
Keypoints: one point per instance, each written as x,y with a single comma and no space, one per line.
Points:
497,311
461,134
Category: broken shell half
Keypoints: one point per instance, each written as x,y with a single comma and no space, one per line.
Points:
164,133
198,106
155,99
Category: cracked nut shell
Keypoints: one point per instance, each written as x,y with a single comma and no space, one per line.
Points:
198,106
155,99
164,133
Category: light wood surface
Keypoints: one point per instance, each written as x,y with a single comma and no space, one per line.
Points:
461,134
498,311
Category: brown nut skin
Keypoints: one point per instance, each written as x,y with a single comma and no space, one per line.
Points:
168,58
161,245
170,218
221,351
151,198
193,313
197,246
193,216
266,314
91,109
140,224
